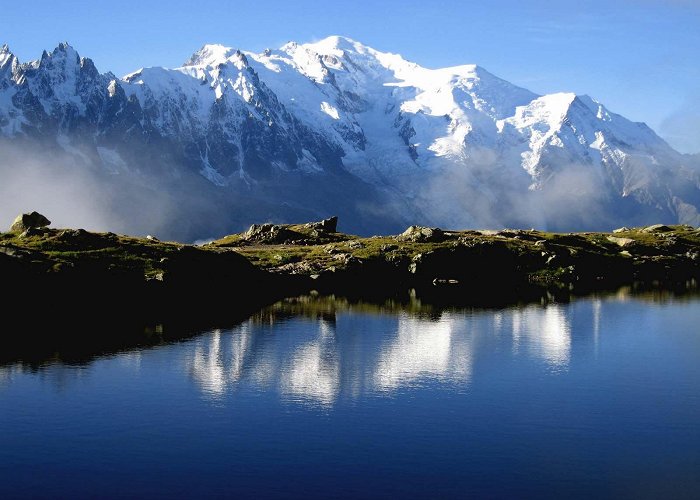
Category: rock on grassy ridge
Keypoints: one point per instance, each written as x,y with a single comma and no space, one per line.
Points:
76,270
26,222
73,271
495,262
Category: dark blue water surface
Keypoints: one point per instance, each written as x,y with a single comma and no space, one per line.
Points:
596,398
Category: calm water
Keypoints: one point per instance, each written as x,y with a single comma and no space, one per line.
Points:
597,398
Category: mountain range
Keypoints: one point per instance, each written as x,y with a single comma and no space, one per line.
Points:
326,128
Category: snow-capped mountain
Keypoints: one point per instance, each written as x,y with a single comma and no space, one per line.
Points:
336,126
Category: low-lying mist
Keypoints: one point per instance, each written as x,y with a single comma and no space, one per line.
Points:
27,184
74,193
574,197
175,203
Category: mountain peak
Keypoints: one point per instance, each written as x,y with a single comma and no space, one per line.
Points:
65,48
338,46
6,56
63,52
209,55
336,42
244,120
558,103
330,46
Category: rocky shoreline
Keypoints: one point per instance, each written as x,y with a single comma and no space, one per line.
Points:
71,294
50,272
471,264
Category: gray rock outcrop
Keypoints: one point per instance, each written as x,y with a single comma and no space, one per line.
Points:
269,233
657,228
329,225
32,220
422,234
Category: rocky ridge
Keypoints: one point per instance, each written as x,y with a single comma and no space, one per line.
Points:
105,270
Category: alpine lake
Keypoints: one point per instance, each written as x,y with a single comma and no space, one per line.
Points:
321,397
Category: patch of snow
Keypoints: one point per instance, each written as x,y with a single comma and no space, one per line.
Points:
330,110
308,163
65,143
210,55
6,57
212,175
112,88
111,160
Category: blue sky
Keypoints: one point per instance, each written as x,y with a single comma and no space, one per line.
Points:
639,57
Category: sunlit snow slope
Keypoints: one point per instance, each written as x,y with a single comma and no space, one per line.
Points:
307,126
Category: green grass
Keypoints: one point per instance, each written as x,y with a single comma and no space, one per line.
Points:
123,253
365,249
326,251
299,232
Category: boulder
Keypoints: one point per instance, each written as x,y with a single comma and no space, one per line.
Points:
623,242
329,225
84,239
257,230
29,221
657,228
270,234
422,234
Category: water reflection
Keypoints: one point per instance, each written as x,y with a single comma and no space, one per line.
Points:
314,372
545,332
531,398
320,350
219,363
61,378
8,373
316,353
425,348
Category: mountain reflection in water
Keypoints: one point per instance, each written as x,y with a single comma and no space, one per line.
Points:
315,355
321,397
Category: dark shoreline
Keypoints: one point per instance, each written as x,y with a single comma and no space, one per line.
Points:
75,340
82,293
